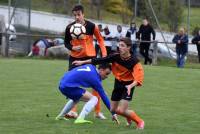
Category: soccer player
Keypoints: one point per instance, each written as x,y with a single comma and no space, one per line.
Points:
82,49
128,74
72,83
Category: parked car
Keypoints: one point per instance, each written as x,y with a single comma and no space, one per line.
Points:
12,31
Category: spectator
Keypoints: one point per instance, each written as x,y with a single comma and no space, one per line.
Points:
131,33
97,48
119,33
100,28
196,40
58,41
181,40
108,40
144,34
39,47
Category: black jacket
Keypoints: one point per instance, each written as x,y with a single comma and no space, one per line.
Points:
196,39
145,32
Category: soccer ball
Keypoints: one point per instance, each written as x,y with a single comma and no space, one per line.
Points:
77,31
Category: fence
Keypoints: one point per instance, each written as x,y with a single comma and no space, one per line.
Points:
5,42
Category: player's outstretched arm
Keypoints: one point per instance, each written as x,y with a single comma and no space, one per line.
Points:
78,62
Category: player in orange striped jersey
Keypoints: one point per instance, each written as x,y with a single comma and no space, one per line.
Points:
128,74
82,49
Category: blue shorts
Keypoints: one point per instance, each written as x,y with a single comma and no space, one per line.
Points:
74,93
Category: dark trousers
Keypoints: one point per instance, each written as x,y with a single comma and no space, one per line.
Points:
198,49
144,51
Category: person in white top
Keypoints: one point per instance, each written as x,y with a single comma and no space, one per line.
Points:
108,39
119,33
131,33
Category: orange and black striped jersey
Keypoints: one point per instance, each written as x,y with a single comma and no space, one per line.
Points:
88,49
129,69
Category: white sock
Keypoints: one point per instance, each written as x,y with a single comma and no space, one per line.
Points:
67,107
88,107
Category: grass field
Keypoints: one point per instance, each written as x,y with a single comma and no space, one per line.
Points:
168,101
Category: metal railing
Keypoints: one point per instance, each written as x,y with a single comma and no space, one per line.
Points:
5,41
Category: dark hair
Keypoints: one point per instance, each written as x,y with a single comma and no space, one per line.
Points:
104,66
127,41
78,8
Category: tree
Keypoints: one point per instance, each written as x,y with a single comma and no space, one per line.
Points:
174,14
119,7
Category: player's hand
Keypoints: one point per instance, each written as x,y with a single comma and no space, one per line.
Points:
114,118
128,89
77,48
199,42
77,62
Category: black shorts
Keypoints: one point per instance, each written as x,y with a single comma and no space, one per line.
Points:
120,91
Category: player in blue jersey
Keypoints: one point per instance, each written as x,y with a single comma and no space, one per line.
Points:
72,84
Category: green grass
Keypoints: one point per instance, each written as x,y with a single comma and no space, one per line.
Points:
168,101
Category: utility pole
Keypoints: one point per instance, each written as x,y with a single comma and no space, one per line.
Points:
29,25
135,10
188,18
9,5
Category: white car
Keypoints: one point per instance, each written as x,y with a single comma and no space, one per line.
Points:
11,31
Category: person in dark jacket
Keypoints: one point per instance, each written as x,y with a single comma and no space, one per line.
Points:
196,40
181,40
144,34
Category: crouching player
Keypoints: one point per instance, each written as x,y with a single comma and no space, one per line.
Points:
71,86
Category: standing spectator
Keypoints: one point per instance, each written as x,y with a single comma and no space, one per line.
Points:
97,48
119,33
117,38
181,40
196,40
144,34
108,40
100,28
84,48
131,33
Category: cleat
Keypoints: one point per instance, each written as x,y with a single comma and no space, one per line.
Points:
61,118
129,122
140,125
100,116
71,114
114,118
82,121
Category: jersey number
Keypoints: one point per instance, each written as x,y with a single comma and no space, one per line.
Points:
87,69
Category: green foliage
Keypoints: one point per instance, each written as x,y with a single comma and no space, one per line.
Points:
171,13
196,30
167,11
119,7
174,15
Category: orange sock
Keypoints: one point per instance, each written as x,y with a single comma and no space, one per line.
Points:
132,115
98,105
74,109
135,117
